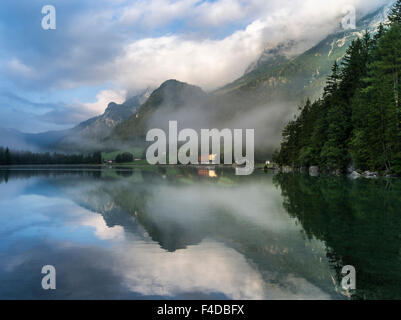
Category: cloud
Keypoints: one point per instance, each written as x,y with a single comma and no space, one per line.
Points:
244,238
16,67
128,46
103,98
211,63
208,63
67,115
124,42
156,13
28,115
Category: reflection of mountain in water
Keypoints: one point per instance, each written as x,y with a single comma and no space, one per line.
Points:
346,222
178,209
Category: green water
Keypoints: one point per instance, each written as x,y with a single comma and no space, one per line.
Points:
185,233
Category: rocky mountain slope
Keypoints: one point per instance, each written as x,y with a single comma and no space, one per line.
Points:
264,98
302,76
171,97
89,135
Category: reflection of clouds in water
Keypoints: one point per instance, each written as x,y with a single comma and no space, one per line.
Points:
37,215
209,267
13,188
102,231
259,204
142,266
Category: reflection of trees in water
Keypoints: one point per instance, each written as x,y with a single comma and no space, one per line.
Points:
125,202
8,174
360,222
276,254
125,172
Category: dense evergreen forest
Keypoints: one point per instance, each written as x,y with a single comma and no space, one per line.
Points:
357,121
9,157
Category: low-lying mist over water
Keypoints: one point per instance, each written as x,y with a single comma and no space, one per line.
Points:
208,150
176,232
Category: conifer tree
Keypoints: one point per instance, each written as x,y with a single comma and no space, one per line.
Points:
7,158
358,120
395,14
332,80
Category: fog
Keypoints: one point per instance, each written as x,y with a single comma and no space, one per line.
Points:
162,240
212,112
264,108
200,59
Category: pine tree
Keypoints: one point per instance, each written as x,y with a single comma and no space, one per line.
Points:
395,14
7,157
332,80
358,120
379,33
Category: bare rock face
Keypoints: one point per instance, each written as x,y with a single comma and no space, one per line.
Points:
313,171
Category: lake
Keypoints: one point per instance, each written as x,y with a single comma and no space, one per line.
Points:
196,233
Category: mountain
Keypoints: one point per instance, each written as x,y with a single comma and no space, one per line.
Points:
271,56
264,98
17,140
268,95
14,139
169,99
44,141
89,135
275,75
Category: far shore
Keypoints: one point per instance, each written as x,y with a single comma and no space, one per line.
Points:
118,165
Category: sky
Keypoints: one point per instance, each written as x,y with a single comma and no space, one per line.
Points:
108,50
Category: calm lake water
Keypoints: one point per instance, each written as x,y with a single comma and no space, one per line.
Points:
184,233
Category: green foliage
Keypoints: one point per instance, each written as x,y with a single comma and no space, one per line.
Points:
395,14
136,151
358,120
9,157
350,216
125,157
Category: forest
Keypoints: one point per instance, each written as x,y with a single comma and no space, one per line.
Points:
10,157
356,124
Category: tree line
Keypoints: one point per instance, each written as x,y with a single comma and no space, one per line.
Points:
357,121
124,157
10,157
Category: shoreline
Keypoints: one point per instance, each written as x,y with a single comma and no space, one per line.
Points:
314,171
114,166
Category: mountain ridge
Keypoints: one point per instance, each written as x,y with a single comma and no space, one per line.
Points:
275,78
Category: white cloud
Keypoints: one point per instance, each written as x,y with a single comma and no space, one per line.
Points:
101,48
103,98
212,62
208,63
226,11
133,45
208,267
156,13
102,231
18,68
